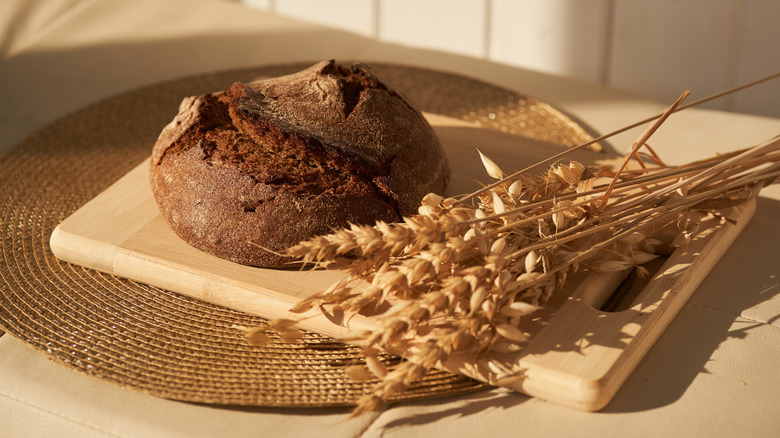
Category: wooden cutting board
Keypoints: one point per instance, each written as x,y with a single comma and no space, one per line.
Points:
579,356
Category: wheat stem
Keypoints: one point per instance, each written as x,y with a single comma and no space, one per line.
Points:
603,137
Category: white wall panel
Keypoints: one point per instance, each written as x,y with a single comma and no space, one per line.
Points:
657,48
357,16
663,47
265,5
457,26
759,56
566,37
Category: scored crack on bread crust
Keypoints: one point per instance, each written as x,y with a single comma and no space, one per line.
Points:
247,172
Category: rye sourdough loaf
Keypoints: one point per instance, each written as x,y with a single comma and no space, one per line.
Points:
247,172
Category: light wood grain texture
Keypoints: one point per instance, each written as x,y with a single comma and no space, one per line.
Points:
579,356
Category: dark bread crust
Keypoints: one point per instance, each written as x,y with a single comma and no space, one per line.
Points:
264,165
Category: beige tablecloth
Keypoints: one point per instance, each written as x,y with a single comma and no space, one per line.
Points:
712,373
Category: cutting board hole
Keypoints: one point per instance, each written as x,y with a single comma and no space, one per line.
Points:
628,291
618,291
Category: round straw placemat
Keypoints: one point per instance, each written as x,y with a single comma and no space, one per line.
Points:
162,343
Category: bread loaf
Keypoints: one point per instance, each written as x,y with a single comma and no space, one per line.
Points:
247,172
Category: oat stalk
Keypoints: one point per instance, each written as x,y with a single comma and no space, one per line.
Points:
462,275
461,279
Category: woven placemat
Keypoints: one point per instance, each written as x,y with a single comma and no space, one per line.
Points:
162,343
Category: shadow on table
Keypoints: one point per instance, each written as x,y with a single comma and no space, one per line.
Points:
460,407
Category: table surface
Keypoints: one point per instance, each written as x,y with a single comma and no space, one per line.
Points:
713,372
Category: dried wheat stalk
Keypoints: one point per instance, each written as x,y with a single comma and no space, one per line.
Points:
460,276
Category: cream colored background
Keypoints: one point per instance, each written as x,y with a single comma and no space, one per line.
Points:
712,373
658,48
